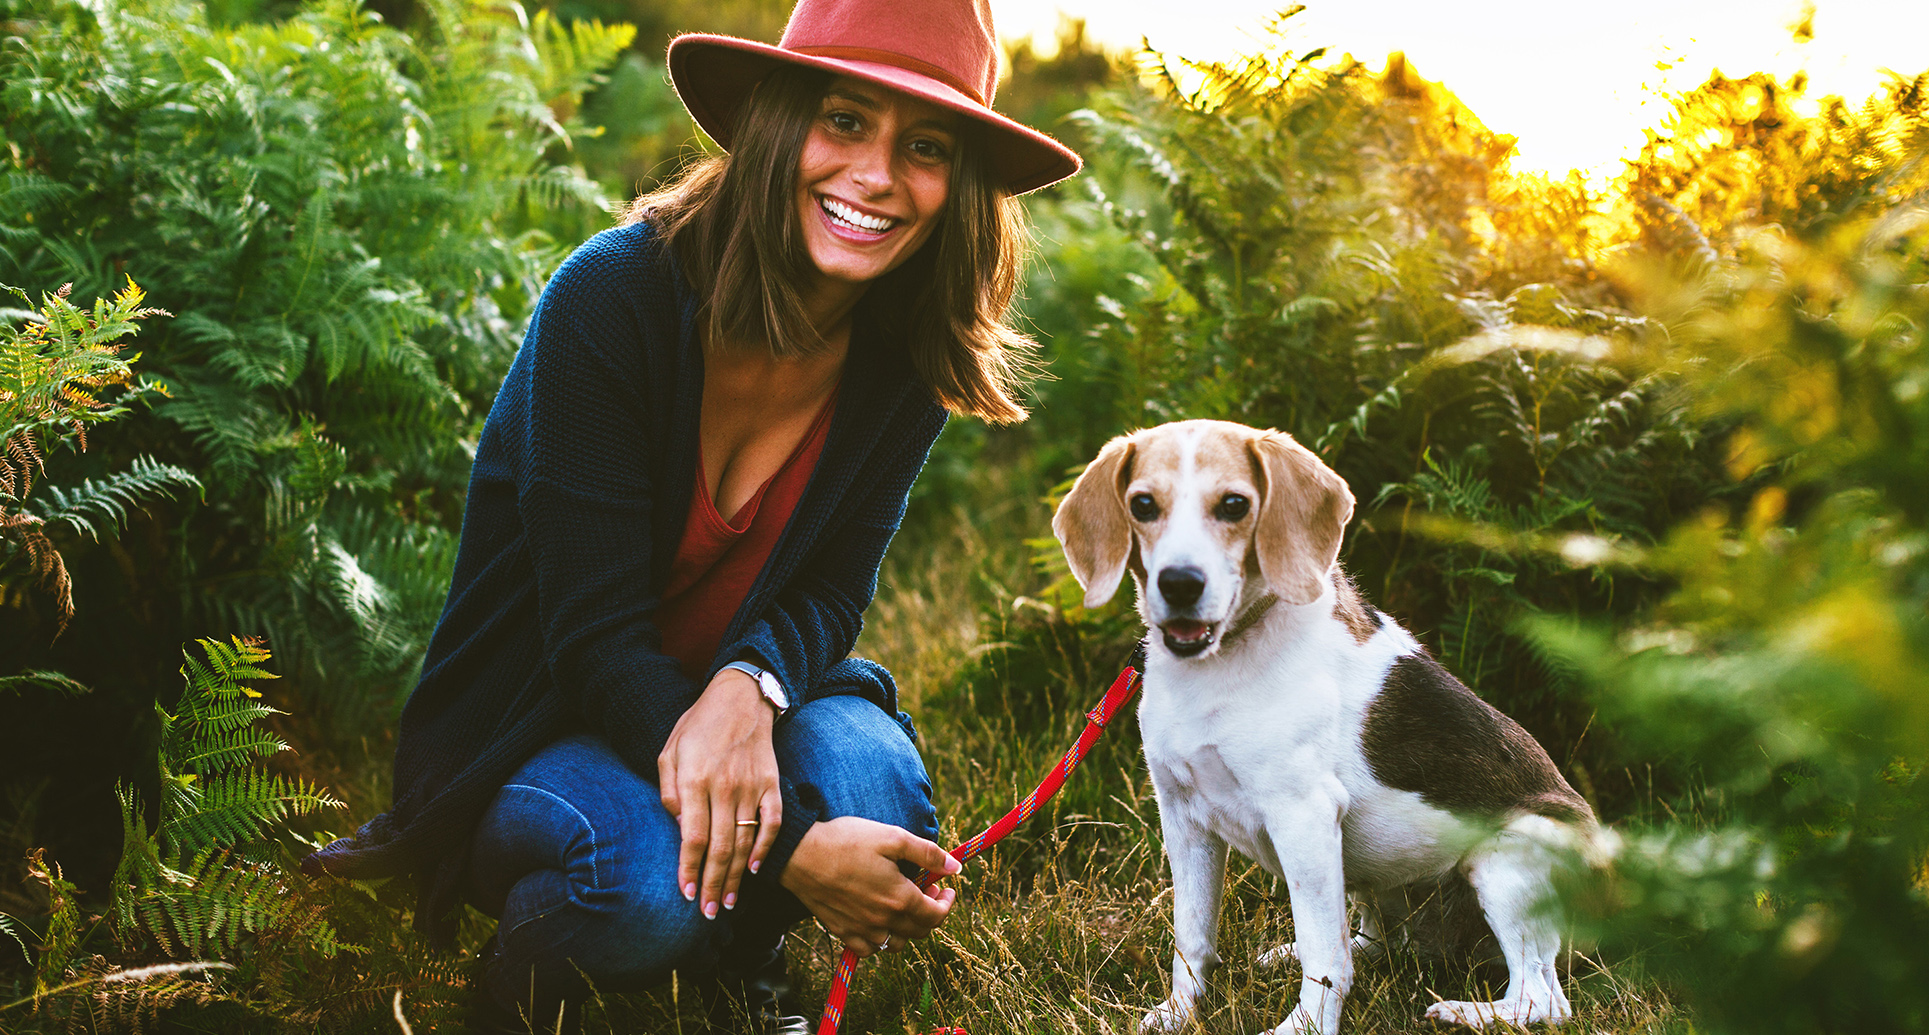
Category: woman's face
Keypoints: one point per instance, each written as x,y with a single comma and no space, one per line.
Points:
873,179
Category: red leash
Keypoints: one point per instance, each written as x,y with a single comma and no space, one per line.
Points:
1121,691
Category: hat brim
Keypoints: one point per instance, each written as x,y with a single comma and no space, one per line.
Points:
714,75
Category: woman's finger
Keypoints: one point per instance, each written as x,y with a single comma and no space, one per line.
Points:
716,861
926,854
666,777
742,838
695,826
923,913
771,812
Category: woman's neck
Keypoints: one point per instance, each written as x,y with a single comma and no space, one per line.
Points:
828,305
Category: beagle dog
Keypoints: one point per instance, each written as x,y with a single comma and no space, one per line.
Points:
1285,717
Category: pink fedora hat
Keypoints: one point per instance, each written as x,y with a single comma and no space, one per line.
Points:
942,51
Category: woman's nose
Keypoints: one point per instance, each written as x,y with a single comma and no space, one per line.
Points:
871,167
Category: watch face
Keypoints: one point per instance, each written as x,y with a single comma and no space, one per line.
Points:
773,690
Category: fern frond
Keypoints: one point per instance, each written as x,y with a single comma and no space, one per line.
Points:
43,678
11,927
238,806
210,902
99,509
217,750
28,536
63,920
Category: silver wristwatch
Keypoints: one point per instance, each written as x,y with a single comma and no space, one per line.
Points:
772,690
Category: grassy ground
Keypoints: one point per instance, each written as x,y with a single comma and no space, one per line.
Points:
1066,926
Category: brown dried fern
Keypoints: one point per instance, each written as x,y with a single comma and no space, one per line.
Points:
43,560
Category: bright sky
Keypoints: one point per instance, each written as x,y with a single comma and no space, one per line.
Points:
1575,82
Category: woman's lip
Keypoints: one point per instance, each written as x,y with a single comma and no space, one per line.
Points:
852,234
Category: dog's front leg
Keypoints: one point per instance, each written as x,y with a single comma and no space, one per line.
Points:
1306,838
1198,859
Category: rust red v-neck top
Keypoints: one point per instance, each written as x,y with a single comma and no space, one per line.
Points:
718,559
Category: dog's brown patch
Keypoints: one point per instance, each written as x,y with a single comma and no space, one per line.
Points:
1427,733
1360,620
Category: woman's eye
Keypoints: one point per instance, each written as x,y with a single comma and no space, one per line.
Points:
1233,507
1144,507
930,150
843,121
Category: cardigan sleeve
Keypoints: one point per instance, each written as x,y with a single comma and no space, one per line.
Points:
585,496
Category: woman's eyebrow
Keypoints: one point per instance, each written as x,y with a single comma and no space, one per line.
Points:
859,99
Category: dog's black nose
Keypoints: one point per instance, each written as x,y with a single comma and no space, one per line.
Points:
1181,586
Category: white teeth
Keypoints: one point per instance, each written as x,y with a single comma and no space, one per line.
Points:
845,214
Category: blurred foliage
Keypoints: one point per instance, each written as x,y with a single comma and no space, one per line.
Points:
1786,667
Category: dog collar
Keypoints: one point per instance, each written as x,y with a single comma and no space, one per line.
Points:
1249,618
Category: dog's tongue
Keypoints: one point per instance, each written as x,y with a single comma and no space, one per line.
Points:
1187,631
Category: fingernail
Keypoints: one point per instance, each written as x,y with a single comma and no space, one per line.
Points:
709,910
690,892
952,865
755,865
730,901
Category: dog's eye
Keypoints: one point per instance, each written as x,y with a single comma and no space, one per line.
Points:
1233,506
1144,507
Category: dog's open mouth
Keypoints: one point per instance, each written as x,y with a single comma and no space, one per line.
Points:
1186,637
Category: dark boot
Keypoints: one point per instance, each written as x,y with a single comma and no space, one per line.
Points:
753,994
489,1014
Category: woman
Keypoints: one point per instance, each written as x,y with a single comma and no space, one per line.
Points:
638,740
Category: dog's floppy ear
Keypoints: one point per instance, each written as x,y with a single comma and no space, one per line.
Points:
1091,523
1303,510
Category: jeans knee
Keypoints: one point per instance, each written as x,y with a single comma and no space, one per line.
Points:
859,761
650,935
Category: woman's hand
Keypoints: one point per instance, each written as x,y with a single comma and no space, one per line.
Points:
718,769
845,871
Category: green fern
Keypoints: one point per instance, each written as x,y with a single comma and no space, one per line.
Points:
200,881
99,509
240,806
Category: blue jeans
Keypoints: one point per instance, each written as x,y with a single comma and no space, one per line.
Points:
577,857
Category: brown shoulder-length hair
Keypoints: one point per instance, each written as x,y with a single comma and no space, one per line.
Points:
733,224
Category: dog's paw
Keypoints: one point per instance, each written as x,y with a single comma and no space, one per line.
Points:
1517,1013
1278,956
1170,1016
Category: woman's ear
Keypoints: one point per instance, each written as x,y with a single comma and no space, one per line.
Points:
1091,523
1303,511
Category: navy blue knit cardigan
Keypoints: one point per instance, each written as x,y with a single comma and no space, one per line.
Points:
581,484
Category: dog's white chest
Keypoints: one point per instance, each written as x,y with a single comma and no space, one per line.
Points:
1221,767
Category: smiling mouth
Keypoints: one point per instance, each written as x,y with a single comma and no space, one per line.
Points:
1186,637
846,218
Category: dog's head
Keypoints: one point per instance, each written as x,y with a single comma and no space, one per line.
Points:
1194,508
